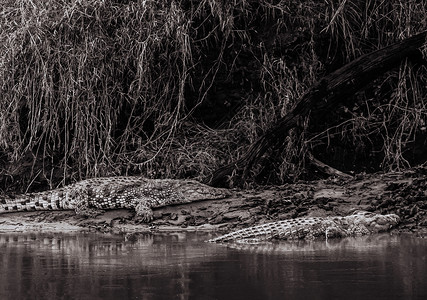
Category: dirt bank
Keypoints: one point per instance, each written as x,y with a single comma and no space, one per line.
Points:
402,193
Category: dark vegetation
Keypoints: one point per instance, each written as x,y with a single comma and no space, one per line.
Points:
180,88
333,91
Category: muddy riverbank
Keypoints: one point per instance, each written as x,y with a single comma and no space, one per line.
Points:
402,193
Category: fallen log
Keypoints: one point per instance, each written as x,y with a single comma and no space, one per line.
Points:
332,92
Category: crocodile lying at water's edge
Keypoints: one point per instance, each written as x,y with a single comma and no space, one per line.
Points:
89,196
358,223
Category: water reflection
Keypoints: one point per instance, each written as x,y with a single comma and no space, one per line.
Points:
182,266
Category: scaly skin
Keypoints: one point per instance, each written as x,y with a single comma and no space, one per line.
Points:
89,196
358,223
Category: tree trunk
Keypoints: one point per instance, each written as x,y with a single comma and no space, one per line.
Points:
332,91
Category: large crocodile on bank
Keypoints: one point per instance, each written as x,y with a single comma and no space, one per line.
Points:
358,223
89,196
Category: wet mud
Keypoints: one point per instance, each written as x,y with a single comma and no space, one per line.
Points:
403,193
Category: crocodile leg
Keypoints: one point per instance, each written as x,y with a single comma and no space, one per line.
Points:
82,208
143,210
335,232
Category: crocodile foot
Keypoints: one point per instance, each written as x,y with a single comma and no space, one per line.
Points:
144,213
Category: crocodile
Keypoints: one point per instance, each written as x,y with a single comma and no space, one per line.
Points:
309,228
89,197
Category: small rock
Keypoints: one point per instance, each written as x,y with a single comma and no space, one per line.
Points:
255,210
216,219
322,200
179,220
236,215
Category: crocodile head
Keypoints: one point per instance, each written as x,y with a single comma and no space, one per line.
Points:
372,221
192,190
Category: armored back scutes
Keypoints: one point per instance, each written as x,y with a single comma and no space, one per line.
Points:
87,197
358,223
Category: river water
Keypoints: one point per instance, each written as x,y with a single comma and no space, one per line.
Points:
182,266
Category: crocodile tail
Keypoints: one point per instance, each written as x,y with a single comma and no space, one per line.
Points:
50,200
259,232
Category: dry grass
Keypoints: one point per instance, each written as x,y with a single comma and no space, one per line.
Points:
92,88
